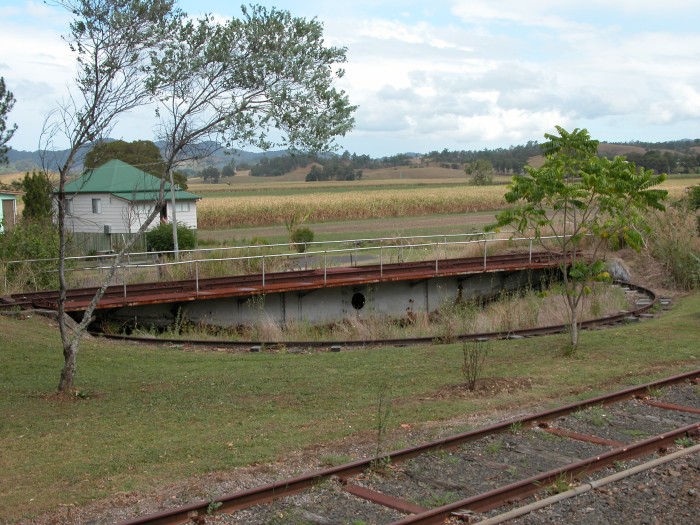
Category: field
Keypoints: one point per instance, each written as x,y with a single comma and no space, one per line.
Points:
272,202
148,417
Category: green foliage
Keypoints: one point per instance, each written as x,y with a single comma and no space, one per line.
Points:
211,174
335,169
160,238
301,236
142,154
37,190
581,200
7,100
30,240
480,171
229,170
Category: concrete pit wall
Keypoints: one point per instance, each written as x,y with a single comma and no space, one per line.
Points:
325,305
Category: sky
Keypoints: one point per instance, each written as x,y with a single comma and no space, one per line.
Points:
455,74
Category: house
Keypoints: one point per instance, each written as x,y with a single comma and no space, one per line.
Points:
116,199
8,210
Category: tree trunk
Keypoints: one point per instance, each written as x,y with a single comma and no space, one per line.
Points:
70,354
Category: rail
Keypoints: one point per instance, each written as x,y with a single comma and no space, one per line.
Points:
263,261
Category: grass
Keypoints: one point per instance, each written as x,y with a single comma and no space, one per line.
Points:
154,416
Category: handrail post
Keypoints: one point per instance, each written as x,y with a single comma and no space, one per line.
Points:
263,271
381,261
485,251
530,251
325,267
437,256
196,276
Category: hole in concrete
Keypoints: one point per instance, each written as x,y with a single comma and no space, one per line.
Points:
357,301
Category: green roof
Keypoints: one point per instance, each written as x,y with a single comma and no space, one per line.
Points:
125,181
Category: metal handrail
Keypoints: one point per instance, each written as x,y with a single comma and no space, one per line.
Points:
440,249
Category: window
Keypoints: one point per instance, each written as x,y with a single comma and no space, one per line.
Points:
69,206
97,206
182,206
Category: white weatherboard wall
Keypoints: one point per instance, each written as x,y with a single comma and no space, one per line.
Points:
120,215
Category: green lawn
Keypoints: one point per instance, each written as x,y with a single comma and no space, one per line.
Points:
156,415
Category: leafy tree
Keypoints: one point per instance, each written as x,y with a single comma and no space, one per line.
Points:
113,41
142,154
581,201
37,190
265,79
480,171
7,100
229,170
238,80
212,174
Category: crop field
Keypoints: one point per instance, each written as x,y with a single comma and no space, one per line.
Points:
272,203
233,211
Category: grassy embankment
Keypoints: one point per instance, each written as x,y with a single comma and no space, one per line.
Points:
153,416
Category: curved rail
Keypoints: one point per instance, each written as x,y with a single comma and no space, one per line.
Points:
525,332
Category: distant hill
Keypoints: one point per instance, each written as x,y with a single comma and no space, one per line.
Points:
20,160
503,159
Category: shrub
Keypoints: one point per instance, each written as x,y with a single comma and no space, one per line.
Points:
300,237
30,240
160,239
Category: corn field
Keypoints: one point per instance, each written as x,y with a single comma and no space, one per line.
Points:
233,212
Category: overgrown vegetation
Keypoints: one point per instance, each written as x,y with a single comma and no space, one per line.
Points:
507,313
675,240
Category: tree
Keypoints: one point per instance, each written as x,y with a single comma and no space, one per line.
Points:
112,41
265,80
238,80
229,170
7,101
142,154
481,172
37,190
211,174
581,201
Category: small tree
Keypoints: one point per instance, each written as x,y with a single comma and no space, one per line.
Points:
581,200
37,190
112,41
481,172
473,356
7,100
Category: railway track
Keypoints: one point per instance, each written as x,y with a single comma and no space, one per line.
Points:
475,474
